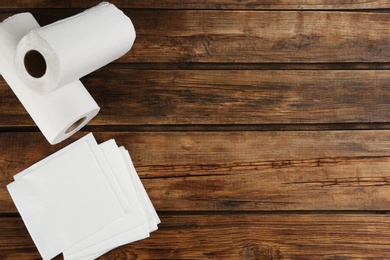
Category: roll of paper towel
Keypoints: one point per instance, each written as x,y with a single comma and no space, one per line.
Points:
58,114
52,56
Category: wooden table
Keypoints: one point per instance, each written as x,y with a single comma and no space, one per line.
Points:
260,129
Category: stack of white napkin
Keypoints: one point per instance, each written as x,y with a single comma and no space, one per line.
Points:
83,201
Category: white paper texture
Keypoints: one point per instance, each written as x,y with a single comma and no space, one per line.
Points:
89,139
58,114
100,158
150,212
65,199
129,228
76,46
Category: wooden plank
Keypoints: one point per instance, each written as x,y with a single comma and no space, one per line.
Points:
15,241
239,97
206,36
260,37
298,170
264,237
171,97
207,4
238,236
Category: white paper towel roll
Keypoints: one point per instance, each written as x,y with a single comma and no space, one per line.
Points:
58,114
52,56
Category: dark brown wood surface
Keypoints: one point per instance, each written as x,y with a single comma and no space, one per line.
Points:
241,236
260,129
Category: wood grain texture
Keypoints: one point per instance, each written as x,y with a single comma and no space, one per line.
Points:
207,4
172,97
264,237
260,37
299,170
200,101
239,236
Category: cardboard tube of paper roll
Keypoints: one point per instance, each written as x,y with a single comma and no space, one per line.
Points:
55,55
58,114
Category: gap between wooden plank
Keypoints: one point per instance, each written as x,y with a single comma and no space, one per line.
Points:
214,128
250,66
248,212
210,5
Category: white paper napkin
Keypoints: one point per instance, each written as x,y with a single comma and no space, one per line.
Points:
65,199
151,214
84,200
